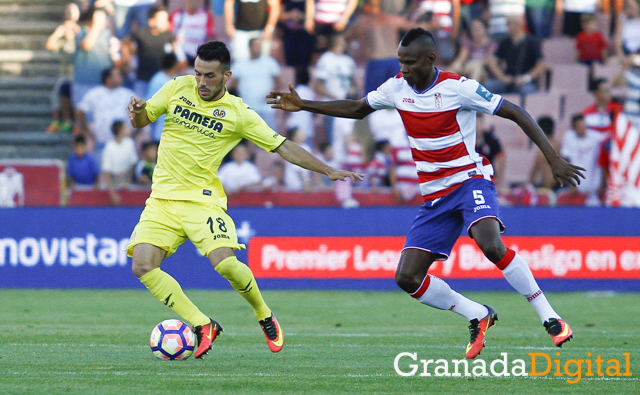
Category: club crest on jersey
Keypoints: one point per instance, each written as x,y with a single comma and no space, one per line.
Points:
438,97
219,113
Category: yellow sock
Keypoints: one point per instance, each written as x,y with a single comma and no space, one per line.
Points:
168,291
241,279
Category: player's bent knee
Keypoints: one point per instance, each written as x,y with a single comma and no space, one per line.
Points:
140,268
493,251
407,281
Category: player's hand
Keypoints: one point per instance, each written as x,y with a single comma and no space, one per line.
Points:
288,101
136,106
564,171
342,175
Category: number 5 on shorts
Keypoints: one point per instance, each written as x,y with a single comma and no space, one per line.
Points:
477,196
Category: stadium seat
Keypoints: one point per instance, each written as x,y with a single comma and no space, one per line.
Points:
560,50
518,161
543,103
569,78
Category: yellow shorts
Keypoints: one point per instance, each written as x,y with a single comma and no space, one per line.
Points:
168,223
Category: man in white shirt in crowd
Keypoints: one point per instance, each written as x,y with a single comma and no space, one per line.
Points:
239,173
581,146
118,158
256,77
101,107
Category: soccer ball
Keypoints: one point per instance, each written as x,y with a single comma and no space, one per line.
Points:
172,339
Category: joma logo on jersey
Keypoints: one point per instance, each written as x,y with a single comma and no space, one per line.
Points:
219,113
438,97
198,119
407,100
184,99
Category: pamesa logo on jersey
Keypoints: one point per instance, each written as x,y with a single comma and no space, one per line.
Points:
219,113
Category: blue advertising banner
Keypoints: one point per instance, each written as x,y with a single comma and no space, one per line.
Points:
84,247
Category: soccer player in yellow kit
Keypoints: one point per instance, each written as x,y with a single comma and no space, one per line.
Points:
204,122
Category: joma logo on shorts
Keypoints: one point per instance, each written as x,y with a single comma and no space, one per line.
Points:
480,207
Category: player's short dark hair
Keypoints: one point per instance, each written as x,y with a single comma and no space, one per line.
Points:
116,127
547,125
79,139
215,50
575,118
154,10
302,76
416,33
168,61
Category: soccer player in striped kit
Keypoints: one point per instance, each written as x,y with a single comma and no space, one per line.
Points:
438,110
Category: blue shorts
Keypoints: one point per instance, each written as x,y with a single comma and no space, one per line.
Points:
440,221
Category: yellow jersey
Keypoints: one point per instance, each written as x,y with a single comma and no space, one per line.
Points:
196,137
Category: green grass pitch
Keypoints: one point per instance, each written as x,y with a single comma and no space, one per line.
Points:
96,342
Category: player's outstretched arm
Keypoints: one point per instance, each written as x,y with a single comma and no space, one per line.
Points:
562,170
290,101
138,113
292,152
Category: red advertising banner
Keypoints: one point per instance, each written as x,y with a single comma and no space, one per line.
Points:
33,182
377,257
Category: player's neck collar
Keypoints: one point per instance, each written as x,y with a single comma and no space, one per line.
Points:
433,83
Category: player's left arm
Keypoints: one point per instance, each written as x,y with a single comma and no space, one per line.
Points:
562,170
293,153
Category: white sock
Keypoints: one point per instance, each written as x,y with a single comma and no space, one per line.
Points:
436,293
519,275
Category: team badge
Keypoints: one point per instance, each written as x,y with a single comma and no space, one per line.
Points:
219,113
438,100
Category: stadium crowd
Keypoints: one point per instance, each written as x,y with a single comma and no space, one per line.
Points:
574,65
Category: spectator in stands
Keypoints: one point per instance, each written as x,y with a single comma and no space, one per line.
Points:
192,25
629,75
472,58
517,62
143,169
101,107
573,10
275,179
63,42
303,120
590,43
325,18
540,15
150,44
118,159
335,80
499,11
244,20
297,43
256,77
628,31
581,146
378,170
168,69
239,173
444,18
597,116
470,10
488,145
378,35
541,176
93,53
127,11
296,178
82,168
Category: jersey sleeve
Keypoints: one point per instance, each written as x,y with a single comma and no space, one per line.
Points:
159,103
475,96
256,130
382,97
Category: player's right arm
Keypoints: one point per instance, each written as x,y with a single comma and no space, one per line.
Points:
291,101
138,112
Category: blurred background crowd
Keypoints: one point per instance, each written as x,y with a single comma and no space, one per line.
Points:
574,65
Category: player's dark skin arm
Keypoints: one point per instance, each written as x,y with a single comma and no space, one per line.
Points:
562,170
290,101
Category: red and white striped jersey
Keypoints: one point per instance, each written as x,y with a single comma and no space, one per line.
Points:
441,126
623,186
329,12
600,121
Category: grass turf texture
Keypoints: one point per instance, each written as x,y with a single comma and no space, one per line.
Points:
96,341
